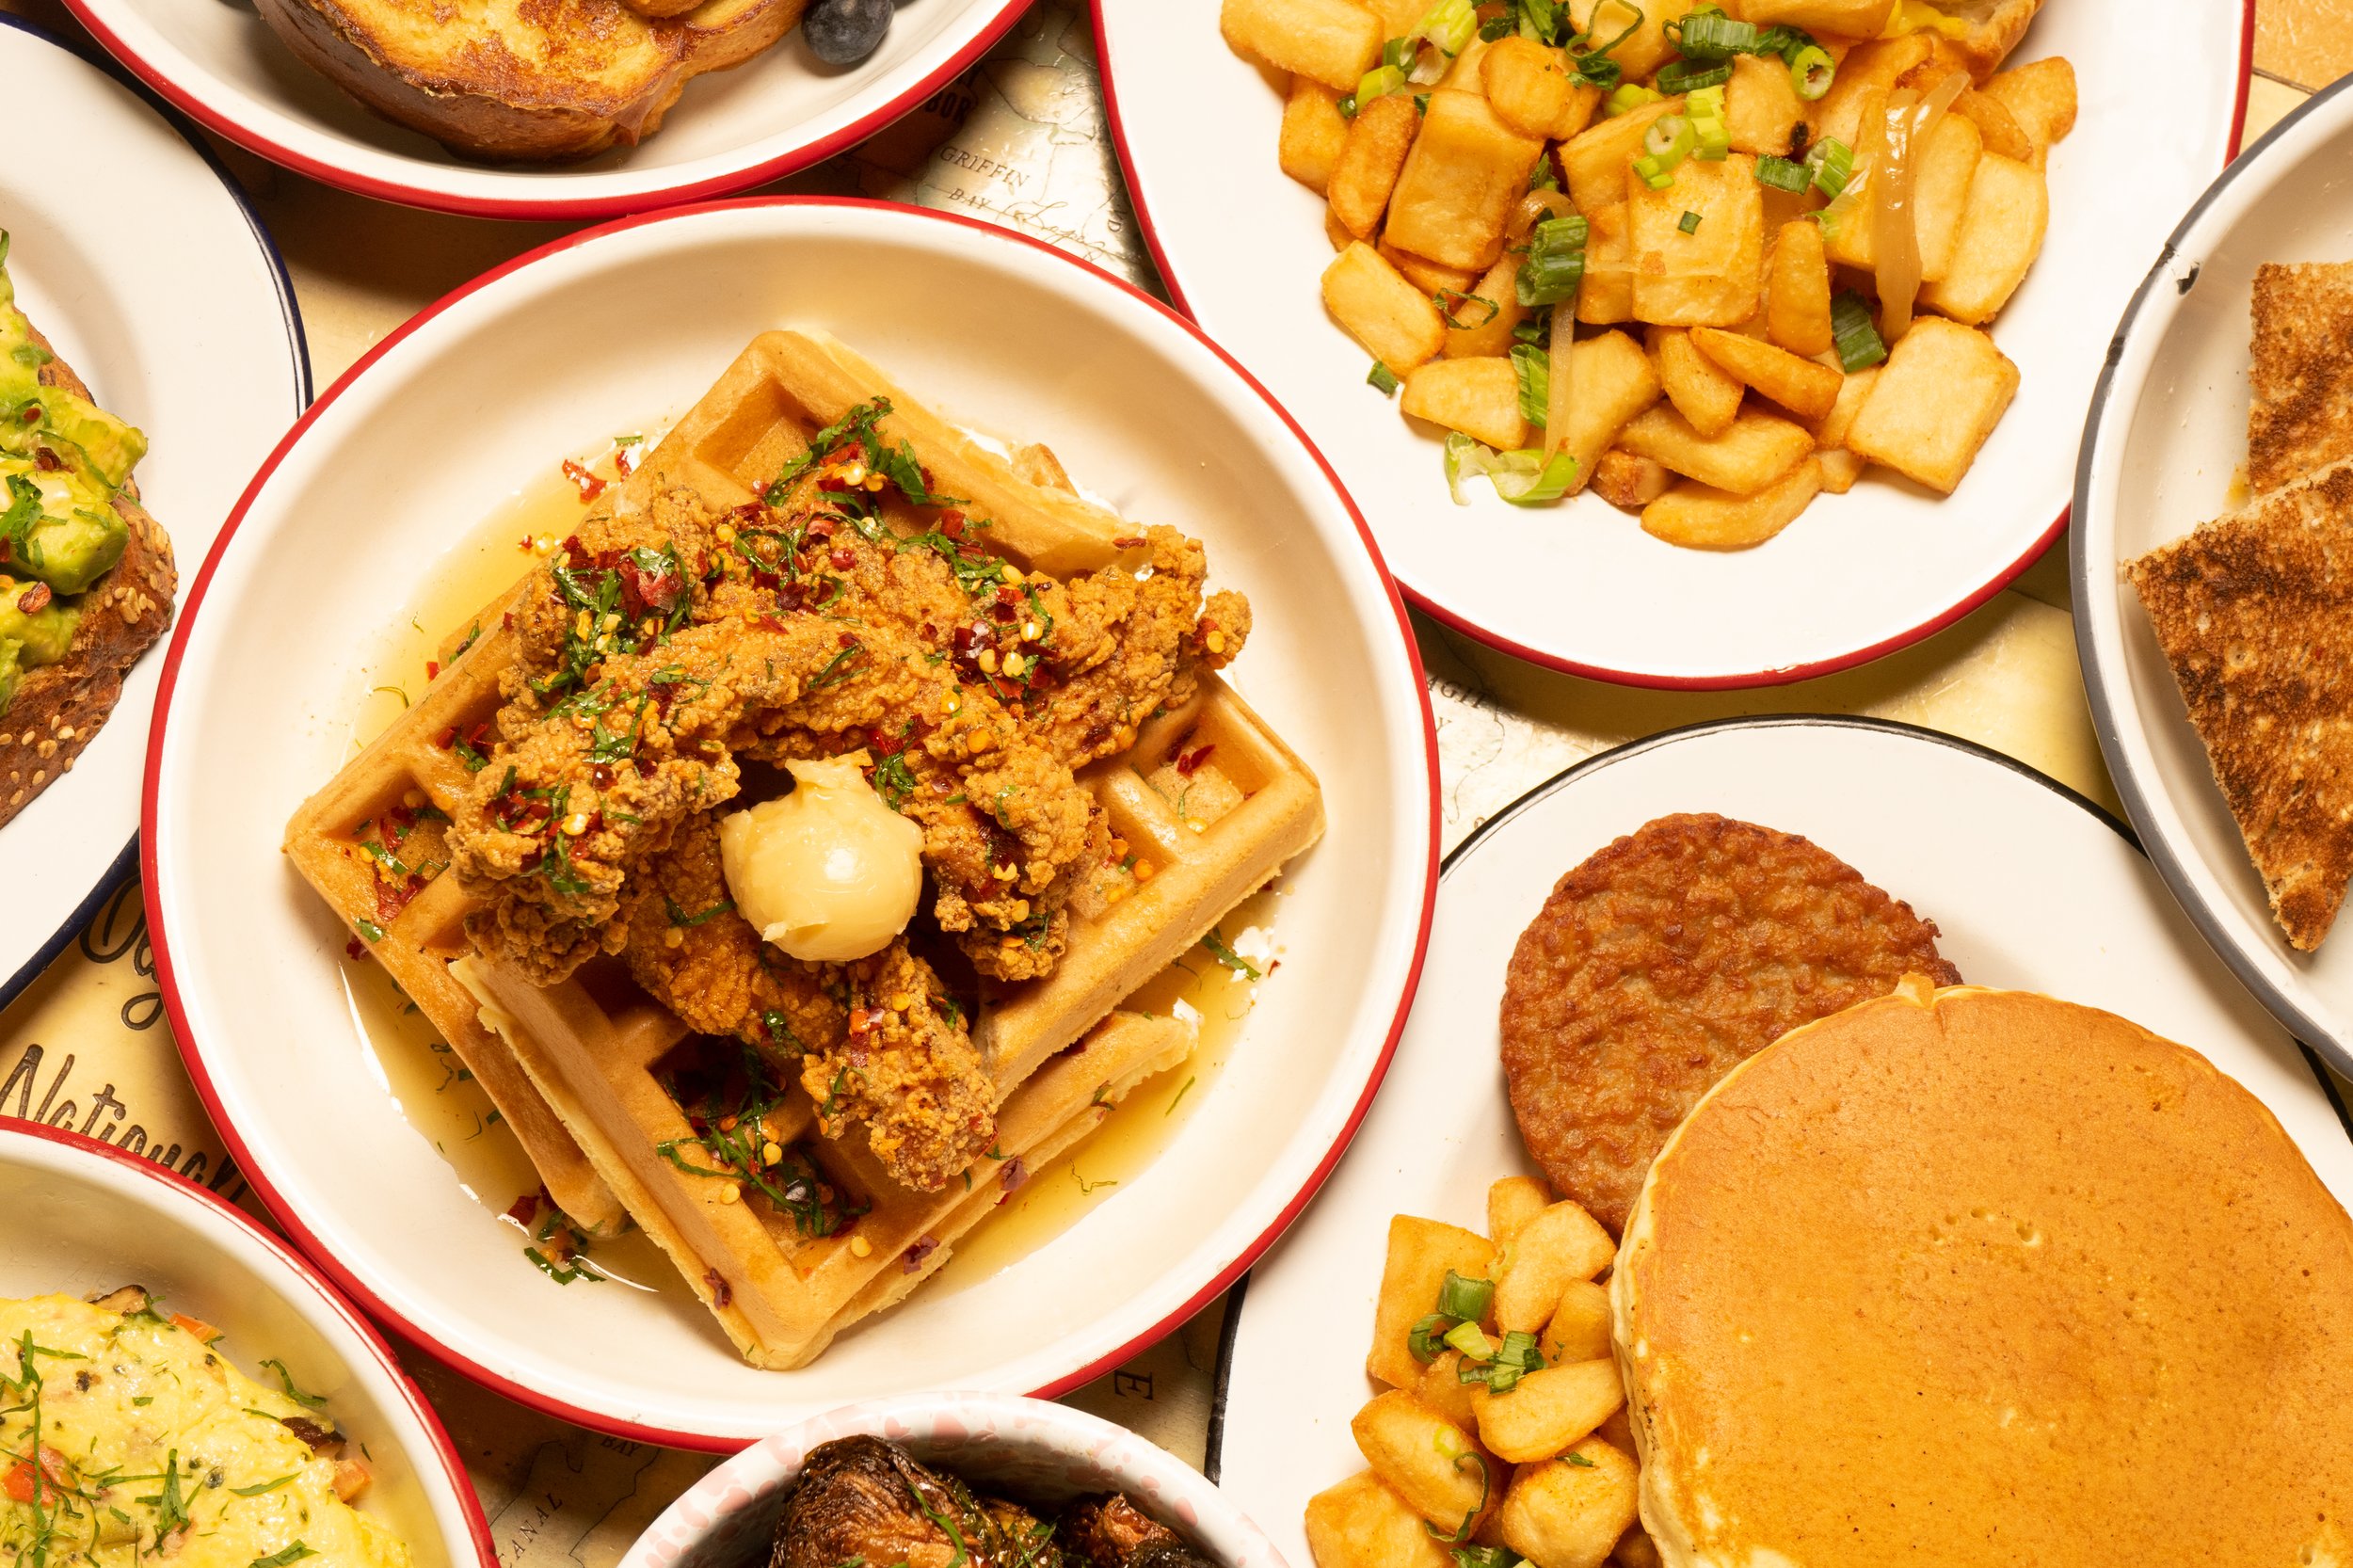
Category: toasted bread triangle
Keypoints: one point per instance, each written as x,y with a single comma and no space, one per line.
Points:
2254,611
2300,417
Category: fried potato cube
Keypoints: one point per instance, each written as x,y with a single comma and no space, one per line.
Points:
1435,1466
1527,83
1378,139
1332,42
1483,335
1852,244
1618,1431
1363,1522
1762,109
1750,452
1629,484
1804,388
1864,19
1427,275
1594,162
1605,294
1940,191
1561,1244
2040,98
1938,397
1710,275
1398,17
1830,432
1647,47
1547,1411
1565,1514
1441,1389
1614,382
1840,469
1511,1203
1995,122
1702,390
1869,69
1313,134
1797,290
1578,113
1375,305
1478,397
1465,170
1579,1330
1699,517
1421,1253
2001,234
1636,1550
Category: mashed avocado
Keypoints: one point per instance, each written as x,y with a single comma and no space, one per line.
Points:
126,1436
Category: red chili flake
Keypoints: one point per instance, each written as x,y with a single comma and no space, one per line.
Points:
824,528
432,669
884,744
1003,611
46,460
859,1020
929,634
965,636
924,1246
951,523
1188,761
392,898
447,739
847,640
479,736
1133,542
524,1209
34,600
645,767
587,484
1012,1175
600,775
31,414
844,558
642,590
507,621
625,458
353,950
721,1293
769,623
752,511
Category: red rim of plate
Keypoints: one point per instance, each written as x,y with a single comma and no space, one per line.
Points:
166,974
452,1469
551,208
1457,621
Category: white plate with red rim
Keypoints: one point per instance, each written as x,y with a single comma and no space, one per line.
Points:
1030,1450
1579,586
775,114
343,528
2032,887
198,343
85,1217
2163,451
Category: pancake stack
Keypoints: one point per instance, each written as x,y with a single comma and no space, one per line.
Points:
1975,1276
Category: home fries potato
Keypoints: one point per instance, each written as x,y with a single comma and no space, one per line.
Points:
1501,1435
1709,260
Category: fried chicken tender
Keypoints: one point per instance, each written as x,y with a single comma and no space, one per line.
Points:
910,1075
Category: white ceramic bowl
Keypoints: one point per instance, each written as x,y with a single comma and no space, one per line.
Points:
782,111
1581,587
2167,434
197,342
84,1217
1027,1448
421,440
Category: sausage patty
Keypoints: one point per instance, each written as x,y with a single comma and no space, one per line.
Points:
1665,960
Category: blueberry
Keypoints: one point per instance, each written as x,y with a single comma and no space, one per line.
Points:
843,32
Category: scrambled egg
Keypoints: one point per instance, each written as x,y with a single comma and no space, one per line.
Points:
125,1436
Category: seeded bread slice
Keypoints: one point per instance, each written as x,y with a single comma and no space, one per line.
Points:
2300,416
2256,613
60,707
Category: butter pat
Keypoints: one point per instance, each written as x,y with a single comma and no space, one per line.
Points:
828,872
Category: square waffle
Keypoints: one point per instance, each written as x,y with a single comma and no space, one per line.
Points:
588,1072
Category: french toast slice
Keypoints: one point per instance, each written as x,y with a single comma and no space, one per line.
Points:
1984,31
2300,372
2254,611
59,708
523,80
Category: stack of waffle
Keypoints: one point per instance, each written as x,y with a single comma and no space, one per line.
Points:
586,1072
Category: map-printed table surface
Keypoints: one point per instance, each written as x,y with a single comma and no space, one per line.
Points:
1019,140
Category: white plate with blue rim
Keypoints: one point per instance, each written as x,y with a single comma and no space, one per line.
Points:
2032,886
136,255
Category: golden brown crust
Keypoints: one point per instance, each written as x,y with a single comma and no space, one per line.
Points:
1665,960
2300,417
540,80
60,707
2256,613
1995,27
1965,1281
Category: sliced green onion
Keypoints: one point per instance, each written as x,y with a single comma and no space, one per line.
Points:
1812,71
1449,25
1690,224
1347,106
1683,76
1425,1339
1421,103
1539,175
1519,1349
1378,83
1833,162
1633,95
1782,40
1466,1298
1533,362
1665,144
1538,20
1536,328
1495,28
1710,35
1486,1557
1704,108
1397,54
1556,262
1472,1341
1782,174
1594,68
1445,312
1463,459
1527,478
1856,339
1382,377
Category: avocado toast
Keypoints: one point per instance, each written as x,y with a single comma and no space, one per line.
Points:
86,575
